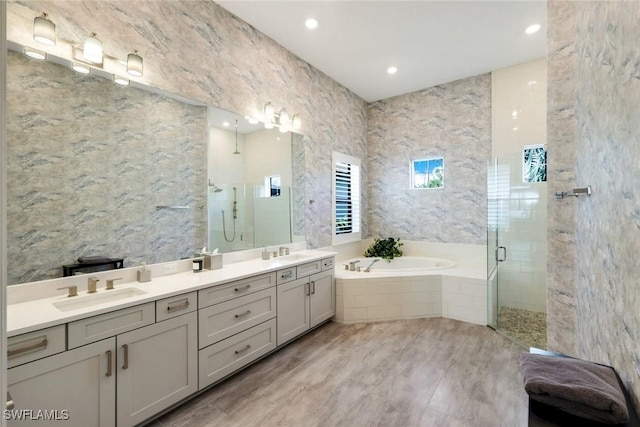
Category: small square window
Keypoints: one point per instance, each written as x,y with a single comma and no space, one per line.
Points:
534,163
427,173
272,185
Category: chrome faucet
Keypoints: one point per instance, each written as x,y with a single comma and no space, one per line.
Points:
368,269
110,283
352,265
92,285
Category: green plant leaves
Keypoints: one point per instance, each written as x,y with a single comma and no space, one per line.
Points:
388,248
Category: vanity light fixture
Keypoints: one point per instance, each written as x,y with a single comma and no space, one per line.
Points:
92,50
44,30
81,68
134,64
34,53
282,119
121,80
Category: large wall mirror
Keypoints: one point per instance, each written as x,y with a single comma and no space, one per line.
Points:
129,172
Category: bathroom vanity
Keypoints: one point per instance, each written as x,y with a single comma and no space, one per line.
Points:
120,357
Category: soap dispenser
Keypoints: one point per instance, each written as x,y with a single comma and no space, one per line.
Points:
144,275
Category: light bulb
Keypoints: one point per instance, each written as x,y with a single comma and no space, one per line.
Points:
92,50
284,118
44,31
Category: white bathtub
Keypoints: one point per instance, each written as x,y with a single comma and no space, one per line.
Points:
407,264
410,287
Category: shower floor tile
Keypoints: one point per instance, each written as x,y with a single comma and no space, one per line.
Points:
524,326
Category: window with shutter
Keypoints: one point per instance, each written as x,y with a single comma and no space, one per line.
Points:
346,198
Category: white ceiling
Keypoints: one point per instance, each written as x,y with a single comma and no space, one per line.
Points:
431,42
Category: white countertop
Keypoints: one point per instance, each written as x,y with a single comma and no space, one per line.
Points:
37,314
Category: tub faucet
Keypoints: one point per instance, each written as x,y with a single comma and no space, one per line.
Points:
352,265
368,269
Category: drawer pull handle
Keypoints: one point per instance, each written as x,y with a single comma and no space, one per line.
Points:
288,275
242,350
109,360
313,288
307,288
242,289
28,349
10,402
243,314
125,364
177,305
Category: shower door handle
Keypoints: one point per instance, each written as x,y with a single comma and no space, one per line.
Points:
504,254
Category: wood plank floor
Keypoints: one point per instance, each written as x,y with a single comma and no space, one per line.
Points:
422,372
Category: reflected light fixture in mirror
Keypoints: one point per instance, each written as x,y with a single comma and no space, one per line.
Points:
35,54
44,30
92,50
134,64
121,81
81,68
281,119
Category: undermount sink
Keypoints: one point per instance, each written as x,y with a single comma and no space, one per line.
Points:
295,256
101,297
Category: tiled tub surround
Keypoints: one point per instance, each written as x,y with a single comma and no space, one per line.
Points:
458,293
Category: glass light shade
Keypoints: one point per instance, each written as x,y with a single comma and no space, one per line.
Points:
269,112
121,80
284,118
35,54
44,31
296,122
92,51
134,64
80,68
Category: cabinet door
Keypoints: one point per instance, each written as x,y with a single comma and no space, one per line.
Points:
157,367
293,309
74,388
322,301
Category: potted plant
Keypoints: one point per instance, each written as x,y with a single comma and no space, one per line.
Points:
388,248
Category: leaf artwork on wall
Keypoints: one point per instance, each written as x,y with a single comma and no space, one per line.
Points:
534,164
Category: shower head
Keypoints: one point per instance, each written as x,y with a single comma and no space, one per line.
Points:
216,189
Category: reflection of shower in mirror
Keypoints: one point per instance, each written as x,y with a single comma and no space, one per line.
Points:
215,188
235,216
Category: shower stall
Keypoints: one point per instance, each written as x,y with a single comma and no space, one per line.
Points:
517,250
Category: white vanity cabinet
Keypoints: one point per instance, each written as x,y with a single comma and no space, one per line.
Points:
76,388
307,301
157,366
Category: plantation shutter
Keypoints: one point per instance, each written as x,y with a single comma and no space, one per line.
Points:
347,194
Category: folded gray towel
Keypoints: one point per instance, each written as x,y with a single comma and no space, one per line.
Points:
575,386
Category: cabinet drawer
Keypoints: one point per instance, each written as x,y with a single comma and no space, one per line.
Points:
226,292
327,264
35,345
176,306
106,325
309,268
221,359
220,321
286,275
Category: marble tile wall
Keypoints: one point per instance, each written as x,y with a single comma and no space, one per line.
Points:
87,170
597,76
200,51
452,120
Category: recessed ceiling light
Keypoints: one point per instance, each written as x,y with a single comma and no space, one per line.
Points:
392,70
311,23
532,29
225,124
532,82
